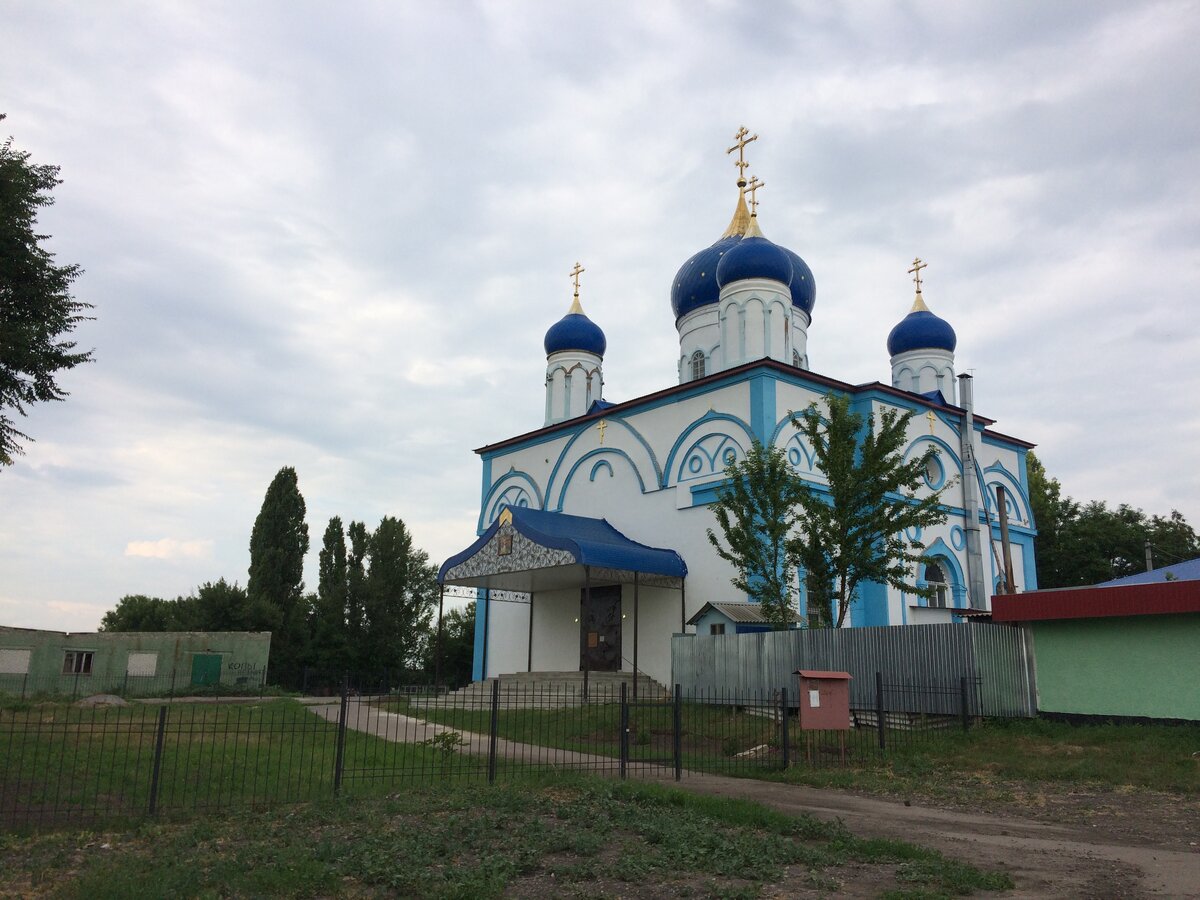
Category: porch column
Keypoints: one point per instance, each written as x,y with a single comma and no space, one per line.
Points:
487,627
529,664
635,635
437,659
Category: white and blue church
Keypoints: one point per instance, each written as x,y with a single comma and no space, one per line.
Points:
591,547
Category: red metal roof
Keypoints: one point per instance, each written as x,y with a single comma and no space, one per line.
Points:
1161,598
817,673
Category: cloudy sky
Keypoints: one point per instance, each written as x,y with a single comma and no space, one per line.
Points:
332,236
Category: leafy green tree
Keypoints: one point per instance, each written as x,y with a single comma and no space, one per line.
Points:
278,544
137,612
858,526
36,306
329,644
1088,543
401,590
756,512
458,647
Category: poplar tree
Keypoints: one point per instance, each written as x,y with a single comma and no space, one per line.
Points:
329,648
401,588
278,544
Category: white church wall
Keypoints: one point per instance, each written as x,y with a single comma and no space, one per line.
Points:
507,637
658,618
556,631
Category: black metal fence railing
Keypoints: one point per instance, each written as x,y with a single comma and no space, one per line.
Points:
62,762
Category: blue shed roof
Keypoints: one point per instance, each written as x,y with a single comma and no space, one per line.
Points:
1188,570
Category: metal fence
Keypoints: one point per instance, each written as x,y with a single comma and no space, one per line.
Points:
995,657
62,763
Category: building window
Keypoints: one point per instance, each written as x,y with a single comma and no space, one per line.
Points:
796,358
77,662
717,629
697,365
936,579
142,664
14,662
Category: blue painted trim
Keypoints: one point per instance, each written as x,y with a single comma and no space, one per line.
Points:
958,538
603,463
487,486
599,451
499,487
941,445
705,419
762,408
872,605
1028,562
938,552
717,466
481,624
705,494
614,420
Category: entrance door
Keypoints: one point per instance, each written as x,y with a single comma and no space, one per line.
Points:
206,668
600,629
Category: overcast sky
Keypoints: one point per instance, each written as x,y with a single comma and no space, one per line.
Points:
332,236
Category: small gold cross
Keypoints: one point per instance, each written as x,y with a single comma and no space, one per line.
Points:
752,189
600,428
915,272
932,418
575,273
740,142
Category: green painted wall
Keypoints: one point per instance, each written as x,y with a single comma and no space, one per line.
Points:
234,658
1120,666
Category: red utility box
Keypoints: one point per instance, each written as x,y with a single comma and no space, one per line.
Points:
824,700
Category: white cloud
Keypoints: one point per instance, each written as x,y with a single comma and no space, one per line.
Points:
170,548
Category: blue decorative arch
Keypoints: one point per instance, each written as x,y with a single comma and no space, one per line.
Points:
1019,510
607,454
939,553
709,456
710,418
508,491
943,449
568,459
601,465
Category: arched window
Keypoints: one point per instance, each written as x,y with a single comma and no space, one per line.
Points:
697,365
796,358
936,579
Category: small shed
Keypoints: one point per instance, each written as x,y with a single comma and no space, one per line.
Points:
1126,649
735,618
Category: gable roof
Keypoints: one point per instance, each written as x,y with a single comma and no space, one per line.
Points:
743,613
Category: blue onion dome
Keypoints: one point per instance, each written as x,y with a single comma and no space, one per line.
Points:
804,287
575,331
755,257
695,283
921,330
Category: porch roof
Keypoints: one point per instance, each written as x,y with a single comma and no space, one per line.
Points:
534,550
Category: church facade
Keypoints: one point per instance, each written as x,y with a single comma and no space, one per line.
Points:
592,547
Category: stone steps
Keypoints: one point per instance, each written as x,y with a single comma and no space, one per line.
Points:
547,690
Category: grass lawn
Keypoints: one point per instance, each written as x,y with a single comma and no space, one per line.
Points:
575,837
59,762
1150,757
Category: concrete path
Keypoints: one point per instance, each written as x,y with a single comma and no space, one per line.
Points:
1045,860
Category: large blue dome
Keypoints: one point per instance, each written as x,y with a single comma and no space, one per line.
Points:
575,331
754,257
804,287
921,330
695,283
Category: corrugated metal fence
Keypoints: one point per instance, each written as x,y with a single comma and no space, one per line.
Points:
995,657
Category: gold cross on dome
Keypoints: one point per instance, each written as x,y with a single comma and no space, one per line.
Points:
932,418
915,271
752,189
575,273
739,144
600,428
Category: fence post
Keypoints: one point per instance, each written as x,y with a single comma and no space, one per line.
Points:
783,727
339,758
495,725
965,703
879,711
24,684
624,727
677,729
156,768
